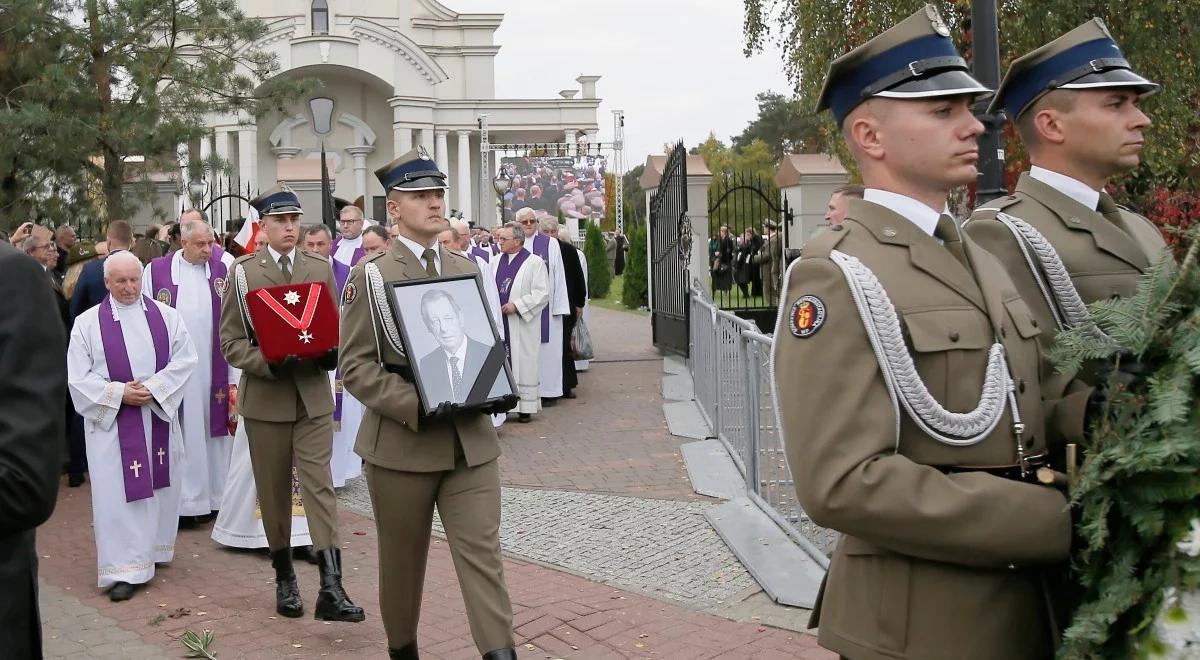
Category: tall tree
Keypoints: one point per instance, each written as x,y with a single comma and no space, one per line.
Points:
128,78
1160,38
784,125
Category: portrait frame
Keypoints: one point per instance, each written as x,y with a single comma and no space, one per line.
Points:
446,321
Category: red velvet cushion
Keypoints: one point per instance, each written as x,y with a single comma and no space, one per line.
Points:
277,338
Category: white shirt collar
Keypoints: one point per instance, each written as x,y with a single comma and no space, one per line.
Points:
275,255
418,250
352,242
1069,186
915,212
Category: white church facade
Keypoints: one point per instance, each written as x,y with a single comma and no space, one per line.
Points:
401,73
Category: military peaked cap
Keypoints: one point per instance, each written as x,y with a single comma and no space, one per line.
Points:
278,200
413,171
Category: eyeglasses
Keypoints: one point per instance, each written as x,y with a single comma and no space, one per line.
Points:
349,221
528,222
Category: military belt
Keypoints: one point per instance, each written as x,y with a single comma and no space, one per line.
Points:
1003,471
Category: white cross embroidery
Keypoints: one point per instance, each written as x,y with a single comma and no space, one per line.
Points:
136,467
161,452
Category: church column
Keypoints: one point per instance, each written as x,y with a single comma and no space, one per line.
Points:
426,139
222,147
181,197
441,153
360,154
248,160
569,138
463,181
402,140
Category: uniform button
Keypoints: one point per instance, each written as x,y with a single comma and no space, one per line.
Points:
889,232
1076,221
1034,322
953,335
1021,386
837,228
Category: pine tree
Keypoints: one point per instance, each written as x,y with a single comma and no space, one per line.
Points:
1138,495
637,269
599,276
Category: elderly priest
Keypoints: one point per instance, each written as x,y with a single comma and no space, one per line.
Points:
127,364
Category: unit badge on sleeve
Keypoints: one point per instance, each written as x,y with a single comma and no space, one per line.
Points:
808,315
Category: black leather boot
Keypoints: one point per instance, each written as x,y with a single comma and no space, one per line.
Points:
332,602
501,654
407,652
287,592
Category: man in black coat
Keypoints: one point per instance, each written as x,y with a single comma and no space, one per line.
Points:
31,400
90,289
576,294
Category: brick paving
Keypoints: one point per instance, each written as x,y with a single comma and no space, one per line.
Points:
611,441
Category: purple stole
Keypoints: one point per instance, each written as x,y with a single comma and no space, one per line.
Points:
482,253
541,247
341,273
167,292
142,475
506,274
358,254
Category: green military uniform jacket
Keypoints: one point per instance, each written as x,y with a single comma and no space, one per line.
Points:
262,396
393,434
1104,261
933,565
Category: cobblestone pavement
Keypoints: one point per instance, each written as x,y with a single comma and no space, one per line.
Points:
595,487
661,548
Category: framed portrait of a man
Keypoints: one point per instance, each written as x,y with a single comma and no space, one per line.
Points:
452,346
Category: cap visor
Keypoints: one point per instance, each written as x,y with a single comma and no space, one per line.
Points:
954,82
1113,78
423,183
287,210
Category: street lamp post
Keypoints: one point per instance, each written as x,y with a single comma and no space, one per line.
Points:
985,46
501,185
322,114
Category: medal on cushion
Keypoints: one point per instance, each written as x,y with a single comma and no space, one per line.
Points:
301,322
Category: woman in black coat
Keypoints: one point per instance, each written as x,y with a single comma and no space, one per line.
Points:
721,260
745,271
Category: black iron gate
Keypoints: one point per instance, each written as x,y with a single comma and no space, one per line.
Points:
748,227
225,201
670,250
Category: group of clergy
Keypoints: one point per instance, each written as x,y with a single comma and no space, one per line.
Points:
165,441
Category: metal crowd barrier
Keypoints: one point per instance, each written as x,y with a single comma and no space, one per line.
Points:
730,364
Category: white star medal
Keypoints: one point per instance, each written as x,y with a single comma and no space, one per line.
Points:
291,298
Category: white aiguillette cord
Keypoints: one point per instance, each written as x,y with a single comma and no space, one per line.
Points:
904,384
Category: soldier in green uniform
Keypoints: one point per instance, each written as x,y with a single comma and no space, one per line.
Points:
416,462
906,370
288,410
1061,238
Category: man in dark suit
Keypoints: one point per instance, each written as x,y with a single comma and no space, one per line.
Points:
576,294
64,240
90,290
454,365
31,395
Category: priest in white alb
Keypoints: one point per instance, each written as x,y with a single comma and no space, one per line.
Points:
128,362
192,280
521,281
546,249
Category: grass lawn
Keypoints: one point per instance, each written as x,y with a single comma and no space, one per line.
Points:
613,300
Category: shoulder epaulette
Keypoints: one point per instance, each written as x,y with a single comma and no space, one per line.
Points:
249,256
370,257
819,246
314,255
989,209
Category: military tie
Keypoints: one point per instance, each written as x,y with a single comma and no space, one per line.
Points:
1111,212
430,258
456,381
947,231
284,263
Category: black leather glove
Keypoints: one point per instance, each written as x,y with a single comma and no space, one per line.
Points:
1123,371
329,361
402,370
286,368
444,410
502,405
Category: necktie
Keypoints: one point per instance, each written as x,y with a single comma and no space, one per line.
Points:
1108,208
456,381
430,258
947,231
284,263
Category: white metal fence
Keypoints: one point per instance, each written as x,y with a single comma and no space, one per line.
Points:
730,364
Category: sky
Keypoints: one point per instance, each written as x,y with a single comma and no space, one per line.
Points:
674,66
